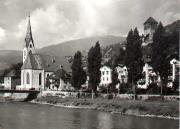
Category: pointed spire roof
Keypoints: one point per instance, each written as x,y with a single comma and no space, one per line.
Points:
29,37
151,21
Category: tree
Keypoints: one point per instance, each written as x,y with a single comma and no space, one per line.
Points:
133,59
78,74
94,64
160,61
120,58
114,79
133,56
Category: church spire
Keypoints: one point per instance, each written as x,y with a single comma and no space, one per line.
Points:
29,37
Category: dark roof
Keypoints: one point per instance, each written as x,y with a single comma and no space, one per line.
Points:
60,73
37,61
151,21
1,73
33,61
49,63
11,73
121,65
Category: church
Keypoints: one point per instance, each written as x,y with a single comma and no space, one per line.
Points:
36,67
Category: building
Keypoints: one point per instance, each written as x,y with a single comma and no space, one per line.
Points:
150,76
59,80
36,67
105,76
150,26
175,65
11,80
122,73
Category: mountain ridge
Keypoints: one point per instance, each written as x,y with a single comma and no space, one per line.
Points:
68,48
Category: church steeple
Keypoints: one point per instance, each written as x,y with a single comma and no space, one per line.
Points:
29,43
29,37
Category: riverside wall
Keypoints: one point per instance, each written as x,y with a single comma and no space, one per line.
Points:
120,96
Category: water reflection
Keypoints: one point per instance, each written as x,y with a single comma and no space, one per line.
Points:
31,116
105,120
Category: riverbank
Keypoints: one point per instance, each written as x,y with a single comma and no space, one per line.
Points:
163,109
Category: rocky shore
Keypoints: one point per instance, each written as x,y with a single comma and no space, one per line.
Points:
163,109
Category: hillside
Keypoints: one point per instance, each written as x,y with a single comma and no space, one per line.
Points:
70,47
8,57
175,26
67,49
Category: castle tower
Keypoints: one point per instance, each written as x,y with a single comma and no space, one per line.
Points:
150,26
29,43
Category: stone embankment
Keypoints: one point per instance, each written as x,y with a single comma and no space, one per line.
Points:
151,108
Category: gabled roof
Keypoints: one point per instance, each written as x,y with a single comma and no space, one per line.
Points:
33,61
11,73
49,63
105,66
60,73
37,61
151,21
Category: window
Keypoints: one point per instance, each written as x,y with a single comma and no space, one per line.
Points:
27,78
103,78
30,46
107,72
103,73
107,78
40,76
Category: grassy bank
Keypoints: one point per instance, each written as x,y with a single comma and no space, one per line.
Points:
169,109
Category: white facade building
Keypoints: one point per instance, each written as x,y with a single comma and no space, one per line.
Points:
122,73
150,76
59,80
11,80
105,76
7,82
175,64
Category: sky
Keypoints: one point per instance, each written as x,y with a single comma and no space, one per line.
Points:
56,21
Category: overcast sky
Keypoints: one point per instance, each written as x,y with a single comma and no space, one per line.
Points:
55,21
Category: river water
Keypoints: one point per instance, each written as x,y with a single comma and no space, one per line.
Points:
36,116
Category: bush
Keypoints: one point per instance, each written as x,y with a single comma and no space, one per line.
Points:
124,88
153,89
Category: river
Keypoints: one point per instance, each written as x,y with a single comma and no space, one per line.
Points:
15,115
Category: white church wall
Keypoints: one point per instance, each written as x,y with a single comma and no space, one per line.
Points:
24,83
35,79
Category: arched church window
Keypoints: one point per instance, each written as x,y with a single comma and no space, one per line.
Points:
27,78
40,76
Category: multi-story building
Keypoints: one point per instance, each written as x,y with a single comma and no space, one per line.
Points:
105,75
122,73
